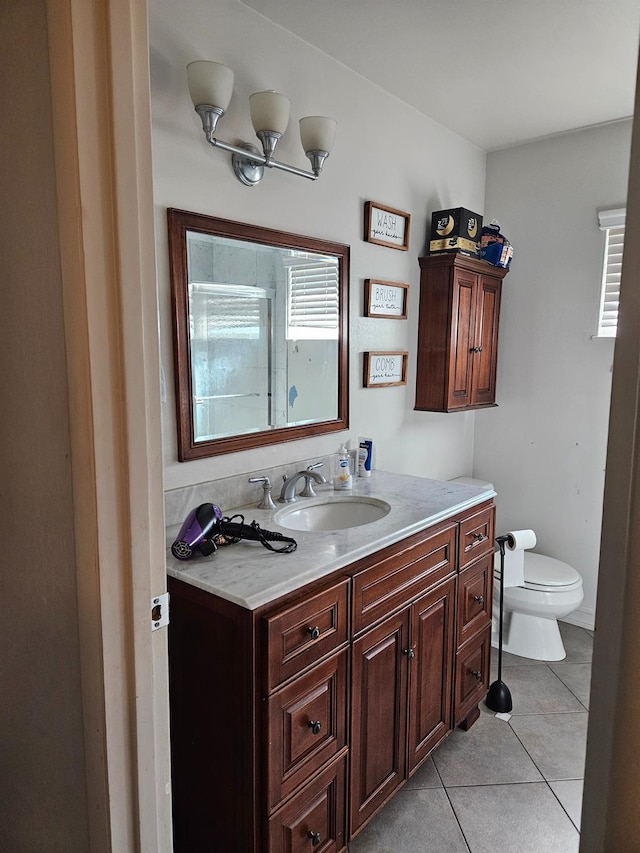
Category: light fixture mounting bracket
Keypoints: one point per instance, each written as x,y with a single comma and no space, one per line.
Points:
247,170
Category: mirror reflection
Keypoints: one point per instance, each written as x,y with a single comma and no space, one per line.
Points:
260,319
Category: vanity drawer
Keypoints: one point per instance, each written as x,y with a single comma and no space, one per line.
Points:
307,726
395,580
305,632
473,661
315,819
475,587
476,536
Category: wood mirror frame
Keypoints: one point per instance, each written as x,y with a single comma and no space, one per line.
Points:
180,223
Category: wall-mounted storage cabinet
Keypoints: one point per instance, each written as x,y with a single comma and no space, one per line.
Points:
457,333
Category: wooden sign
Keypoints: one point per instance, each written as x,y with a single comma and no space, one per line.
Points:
385,299
382,369
386,226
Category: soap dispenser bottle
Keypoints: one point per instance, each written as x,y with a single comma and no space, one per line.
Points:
342,480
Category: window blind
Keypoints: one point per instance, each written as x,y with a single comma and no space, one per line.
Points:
612,222
313,309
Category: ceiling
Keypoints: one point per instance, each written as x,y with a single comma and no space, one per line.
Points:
498,72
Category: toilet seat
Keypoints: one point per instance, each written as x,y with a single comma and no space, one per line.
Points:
544,574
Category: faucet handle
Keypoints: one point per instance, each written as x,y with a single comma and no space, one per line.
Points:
315,466
267,501
308,491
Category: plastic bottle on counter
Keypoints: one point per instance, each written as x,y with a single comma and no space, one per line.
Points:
343,481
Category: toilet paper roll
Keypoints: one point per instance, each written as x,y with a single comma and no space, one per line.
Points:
521,540
517,542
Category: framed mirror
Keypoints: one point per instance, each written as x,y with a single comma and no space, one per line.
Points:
260,323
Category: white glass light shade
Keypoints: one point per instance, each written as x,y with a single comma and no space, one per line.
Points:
210,83
269,111
317,133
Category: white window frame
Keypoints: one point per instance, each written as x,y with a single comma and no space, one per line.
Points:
612,222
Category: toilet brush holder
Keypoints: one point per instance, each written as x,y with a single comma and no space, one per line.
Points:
499,696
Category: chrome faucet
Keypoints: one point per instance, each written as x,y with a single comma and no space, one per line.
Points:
288,493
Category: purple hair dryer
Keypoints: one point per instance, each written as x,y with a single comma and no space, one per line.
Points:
198,532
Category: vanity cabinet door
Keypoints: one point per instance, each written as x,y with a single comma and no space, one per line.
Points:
305,631
476,536
472,677
314,821
378,716
475,598
306,725
430,671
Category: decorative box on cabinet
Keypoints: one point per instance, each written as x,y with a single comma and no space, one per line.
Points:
457,333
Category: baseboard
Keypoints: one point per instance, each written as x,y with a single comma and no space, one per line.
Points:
583,617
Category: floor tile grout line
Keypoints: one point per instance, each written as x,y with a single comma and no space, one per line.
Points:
570,689
444,788
455,814
561,803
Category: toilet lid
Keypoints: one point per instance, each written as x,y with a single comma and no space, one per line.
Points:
543,571
546,571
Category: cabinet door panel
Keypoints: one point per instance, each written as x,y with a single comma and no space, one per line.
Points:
313,820
430,671
476,536
378,716
472,674
463,332
306,631
307,725
486,338
475,593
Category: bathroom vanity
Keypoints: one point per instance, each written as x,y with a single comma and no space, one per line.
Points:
306,688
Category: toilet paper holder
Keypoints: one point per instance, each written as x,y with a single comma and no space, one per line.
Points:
499,696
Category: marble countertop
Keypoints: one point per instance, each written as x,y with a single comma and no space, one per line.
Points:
249,575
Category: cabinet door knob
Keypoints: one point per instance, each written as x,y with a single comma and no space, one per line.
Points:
315,726
315,838
478,537
477,674
410,653
479,599
314,632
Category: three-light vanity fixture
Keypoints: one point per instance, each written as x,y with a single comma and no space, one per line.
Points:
211,86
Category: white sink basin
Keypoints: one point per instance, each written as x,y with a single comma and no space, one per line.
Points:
337,513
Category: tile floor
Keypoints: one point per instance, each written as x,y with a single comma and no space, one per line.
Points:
514,786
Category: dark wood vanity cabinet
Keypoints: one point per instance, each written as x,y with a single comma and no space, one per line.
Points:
292,725
401,667
457,333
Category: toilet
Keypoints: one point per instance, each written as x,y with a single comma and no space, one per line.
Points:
551,591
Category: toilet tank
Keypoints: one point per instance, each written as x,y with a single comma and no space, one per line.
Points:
470,481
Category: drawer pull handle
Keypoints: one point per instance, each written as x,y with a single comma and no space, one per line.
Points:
477,674
478,537
479,599
410,653
315,726
315,838
314,632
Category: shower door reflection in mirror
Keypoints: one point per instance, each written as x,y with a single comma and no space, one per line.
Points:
260,321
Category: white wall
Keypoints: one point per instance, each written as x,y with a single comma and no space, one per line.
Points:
544,447
385,152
